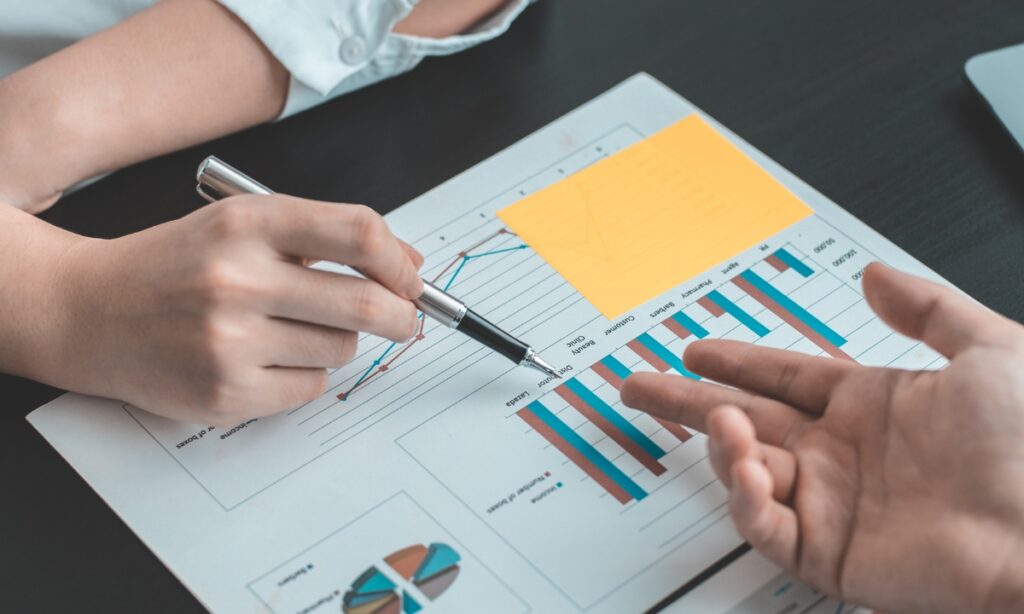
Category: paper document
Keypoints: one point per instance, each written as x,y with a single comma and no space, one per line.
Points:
434,476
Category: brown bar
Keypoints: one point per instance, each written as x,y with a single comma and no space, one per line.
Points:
677,328
711,306
607,375
609,429
791,319
574,455
676,429
777,263
648,356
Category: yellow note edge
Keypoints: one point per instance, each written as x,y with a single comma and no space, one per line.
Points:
653,215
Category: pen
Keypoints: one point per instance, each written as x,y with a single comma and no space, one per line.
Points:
216,179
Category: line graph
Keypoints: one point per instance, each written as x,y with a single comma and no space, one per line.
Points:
379,366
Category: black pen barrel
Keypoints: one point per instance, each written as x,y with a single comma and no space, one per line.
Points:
477,327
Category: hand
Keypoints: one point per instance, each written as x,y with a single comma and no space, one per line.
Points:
898,490
213,319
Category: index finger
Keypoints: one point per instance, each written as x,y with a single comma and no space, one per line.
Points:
805,382
684,401
354,235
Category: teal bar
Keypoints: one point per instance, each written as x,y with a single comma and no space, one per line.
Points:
793,262
787,303
665,354
690,324
616,367
609,413
734,310
588,451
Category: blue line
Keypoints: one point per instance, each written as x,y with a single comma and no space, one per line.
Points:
458,269
734,310
793,262
614,417
686,322
616,367
497,251
469,257
665,354
783,588
588,451
787,303
839,607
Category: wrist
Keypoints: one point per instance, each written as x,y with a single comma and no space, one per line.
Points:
37,144
33,325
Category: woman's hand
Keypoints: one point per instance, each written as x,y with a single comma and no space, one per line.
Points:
213,319
898,490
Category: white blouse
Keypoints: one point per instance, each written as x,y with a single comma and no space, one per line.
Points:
330,47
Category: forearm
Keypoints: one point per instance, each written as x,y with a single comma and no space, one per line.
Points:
33,312
182,72
179,73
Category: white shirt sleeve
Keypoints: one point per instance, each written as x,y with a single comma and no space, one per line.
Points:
332,47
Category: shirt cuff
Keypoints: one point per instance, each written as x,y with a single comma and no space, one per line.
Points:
492,27
321,42
332,47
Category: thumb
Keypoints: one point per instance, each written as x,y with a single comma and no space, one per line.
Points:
940,316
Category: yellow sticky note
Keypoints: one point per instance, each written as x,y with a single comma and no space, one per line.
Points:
653,215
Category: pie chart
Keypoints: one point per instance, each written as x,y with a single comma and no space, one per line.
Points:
426,572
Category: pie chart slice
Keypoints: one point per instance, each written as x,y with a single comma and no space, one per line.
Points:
406,561
372,581
371,593
388,603
410,605
440,558
433,587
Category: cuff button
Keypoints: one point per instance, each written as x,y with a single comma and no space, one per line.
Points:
353,50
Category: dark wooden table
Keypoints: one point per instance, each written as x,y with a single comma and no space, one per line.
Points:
864,100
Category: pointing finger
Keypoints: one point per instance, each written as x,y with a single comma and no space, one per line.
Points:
685,401
806,382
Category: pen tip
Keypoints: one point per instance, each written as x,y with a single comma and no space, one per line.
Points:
539,364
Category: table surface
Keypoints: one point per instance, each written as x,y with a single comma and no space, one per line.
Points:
863,100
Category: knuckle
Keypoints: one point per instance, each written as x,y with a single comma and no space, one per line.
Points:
219,405
312,387
408,319
348,345
369,306
371,233
219,391
232,218
219,281
787,379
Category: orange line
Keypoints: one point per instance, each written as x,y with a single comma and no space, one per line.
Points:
465,252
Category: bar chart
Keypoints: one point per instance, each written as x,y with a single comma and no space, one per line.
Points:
658,356
564,449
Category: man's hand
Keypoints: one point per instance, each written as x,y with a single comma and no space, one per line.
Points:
213,319
898,490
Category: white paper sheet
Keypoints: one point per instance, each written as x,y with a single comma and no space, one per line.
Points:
293,512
